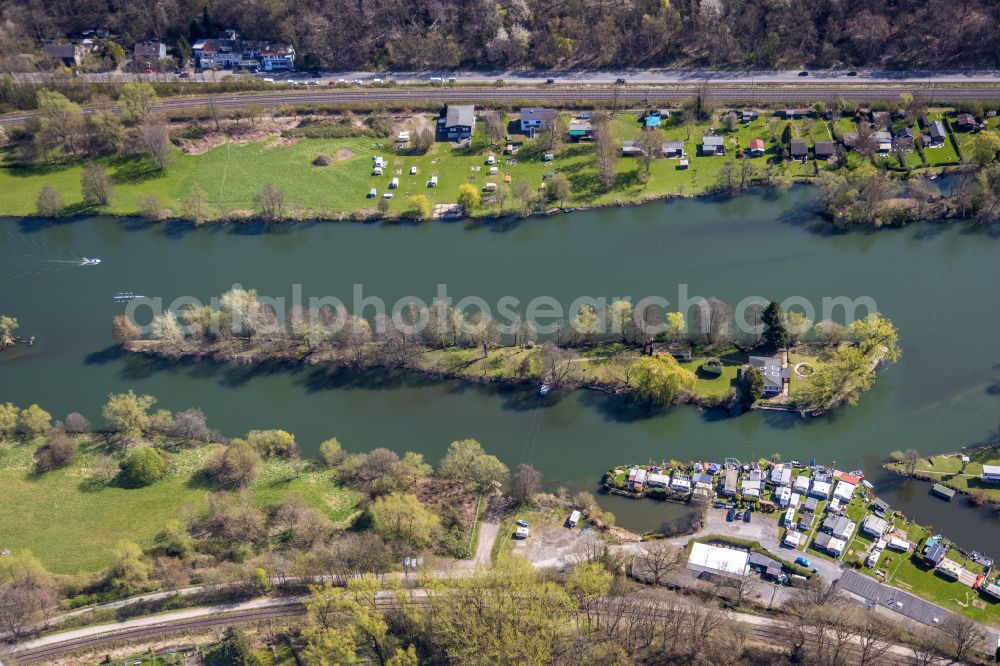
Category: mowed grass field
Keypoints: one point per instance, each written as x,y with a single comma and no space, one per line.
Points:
231,174
71,518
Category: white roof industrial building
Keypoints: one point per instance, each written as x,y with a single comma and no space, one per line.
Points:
718,560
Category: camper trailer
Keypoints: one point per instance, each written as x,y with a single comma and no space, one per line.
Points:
574,518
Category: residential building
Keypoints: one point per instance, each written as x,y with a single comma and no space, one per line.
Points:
770,369
819,489
680,483
943,492
841,527
935,553
702,480
903,140
713,145
70,54
991,473
756,147
781,475
149,51
749,116
801,484
811,504
580,129
673,149
783,495
718,560
798,149
883,141
830,544
950,569
534,118
966,122
806,521
632,149
824,150
457,122
935,134
794,500
899,544
229,51
730,484
789,519
797,113
637,477
881,507
874,526
765,565
992,589
844,491
655,480
792,538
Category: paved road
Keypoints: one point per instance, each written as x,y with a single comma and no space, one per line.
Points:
428,97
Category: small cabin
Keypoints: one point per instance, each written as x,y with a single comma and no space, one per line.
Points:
490,187
394,183
372,193
522,533
491,159
387,195
377,171
433,182
413,171
574,518
494,170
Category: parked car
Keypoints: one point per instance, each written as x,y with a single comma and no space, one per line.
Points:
522,522
620,82
803,73
852,73
148,70
746,516
739,515
730,515
801,561
550,81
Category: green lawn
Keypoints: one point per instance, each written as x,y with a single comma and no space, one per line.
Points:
944,154
231,173
71,519
710,386
946,469
813,357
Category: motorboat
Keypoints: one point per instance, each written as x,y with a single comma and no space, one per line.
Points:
89,262
126,296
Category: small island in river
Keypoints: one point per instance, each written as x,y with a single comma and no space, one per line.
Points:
787,363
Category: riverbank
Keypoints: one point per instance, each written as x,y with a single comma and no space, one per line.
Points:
318,166
961,471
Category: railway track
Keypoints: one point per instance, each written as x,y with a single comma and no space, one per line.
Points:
428,97
774,632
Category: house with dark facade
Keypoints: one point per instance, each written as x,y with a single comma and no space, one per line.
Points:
149,51
457,122
824,150
798,149
935,134
230,51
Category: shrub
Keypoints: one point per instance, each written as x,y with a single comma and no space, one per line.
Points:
34,421
49,203
60,450
77,423
235,465
270,443
322,161
331,452
143,466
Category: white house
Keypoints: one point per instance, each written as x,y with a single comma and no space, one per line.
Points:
801,484
874,526
991,473
534,118
899,544
794,500
844,491
789,517
781,475
637,477
830,544
680,482
655,480
792,539
820,489
783,495
718,560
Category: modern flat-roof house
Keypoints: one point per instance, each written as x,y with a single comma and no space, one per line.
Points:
729,562
820,489
713,145
792,538
966,122
533,118
756,147
798,149
230,52
637,477
844,491
935,134
772,372
680,483
992,589
673,149
580,129
149,51
881,507
874,526
457,121
811,504
783,495
801,484
730,484
632,149
950,569
824,150
806,521
830,544
991,473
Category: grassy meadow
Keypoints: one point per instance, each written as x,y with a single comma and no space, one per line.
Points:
71,518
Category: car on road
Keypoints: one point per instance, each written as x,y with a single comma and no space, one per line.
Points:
803,73
620,81
378,79
522,522
268,80
746,516
803,562
852,73
148,70
184,75
730,515
550,81
739,515
358,82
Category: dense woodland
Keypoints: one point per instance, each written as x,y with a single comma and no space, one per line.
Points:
536,33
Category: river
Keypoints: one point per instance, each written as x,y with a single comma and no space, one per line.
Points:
939,285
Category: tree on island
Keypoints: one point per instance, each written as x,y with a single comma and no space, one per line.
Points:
775,335
752,383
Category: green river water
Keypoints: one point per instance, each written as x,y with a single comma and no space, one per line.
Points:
939,284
